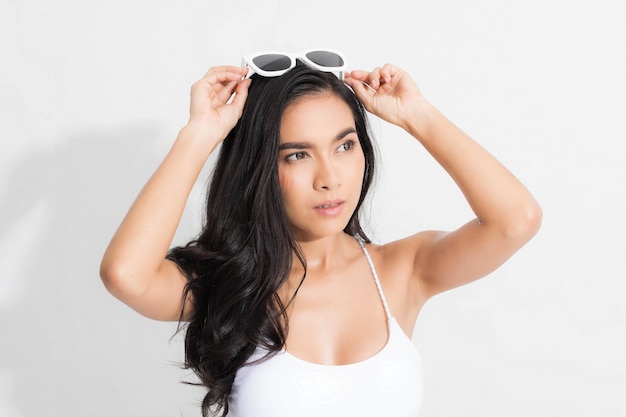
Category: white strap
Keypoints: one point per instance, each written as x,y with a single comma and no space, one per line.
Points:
380,288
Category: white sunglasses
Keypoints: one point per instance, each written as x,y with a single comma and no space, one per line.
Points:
276,63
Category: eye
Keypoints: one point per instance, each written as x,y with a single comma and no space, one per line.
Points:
296,156
346,146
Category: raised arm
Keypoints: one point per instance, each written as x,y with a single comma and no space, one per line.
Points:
134,268
507,215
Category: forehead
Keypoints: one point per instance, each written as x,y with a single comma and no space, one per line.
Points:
315,117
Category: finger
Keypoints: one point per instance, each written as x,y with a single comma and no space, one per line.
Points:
218,85
360,78
241,94
358,75
390,72
222,75
363,91
225,68
361,86
373,78
225,90
385,73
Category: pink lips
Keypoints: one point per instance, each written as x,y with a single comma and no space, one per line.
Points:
329,208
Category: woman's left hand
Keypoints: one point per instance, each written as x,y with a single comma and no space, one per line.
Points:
388,92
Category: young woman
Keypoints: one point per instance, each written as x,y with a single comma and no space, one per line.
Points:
291,310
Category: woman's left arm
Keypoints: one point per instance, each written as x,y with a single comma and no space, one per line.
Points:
507,215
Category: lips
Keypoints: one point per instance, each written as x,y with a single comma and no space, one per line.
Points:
329,203
329,208
324,206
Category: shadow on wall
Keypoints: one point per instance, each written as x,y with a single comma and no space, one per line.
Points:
65,341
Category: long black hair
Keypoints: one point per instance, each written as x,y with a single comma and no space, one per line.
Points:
245,250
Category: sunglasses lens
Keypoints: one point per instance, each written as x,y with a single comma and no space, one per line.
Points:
325,59
272,62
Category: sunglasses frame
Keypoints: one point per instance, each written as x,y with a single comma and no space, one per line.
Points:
248,61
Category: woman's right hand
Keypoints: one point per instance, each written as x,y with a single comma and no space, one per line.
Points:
134,267
212,109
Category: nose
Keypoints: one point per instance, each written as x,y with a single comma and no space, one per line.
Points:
326,176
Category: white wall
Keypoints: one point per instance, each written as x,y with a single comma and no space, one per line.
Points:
93,93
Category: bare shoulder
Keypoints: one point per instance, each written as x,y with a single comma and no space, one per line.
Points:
395,265
395,259
406,249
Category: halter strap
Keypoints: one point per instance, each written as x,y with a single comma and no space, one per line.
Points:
376,280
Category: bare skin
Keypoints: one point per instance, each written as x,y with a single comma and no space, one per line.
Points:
134,268
337,317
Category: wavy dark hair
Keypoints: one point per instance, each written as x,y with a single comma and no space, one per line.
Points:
245,250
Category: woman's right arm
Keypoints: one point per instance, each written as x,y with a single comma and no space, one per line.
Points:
134,268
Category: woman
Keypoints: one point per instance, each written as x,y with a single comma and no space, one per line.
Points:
291,310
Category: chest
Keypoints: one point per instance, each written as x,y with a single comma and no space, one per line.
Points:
389,383
337,319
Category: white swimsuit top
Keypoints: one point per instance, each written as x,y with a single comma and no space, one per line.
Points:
387,384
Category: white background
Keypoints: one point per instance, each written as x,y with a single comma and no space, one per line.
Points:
92,94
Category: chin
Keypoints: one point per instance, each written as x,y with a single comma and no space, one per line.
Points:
309,234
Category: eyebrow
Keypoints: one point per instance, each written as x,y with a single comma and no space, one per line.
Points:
307,145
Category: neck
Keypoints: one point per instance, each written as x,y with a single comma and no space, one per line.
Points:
327,252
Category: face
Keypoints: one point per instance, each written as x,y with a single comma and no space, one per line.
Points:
320,166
